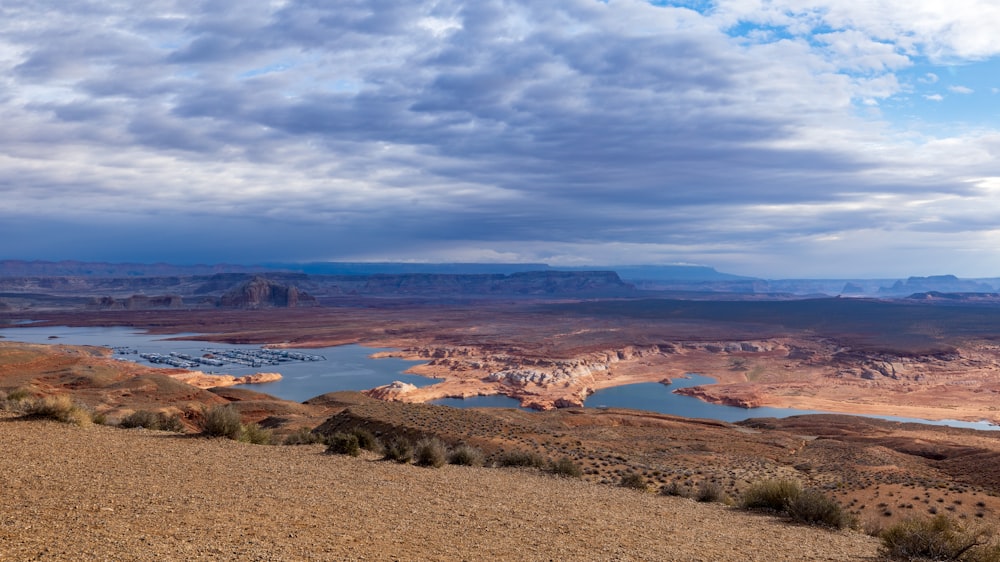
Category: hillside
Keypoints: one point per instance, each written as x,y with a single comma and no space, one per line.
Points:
74,493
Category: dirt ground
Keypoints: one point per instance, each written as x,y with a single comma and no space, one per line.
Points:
100,493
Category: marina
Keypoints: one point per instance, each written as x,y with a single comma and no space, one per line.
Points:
216,357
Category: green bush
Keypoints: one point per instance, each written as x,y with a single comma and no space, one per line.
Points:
566,467
158,421
466,455
303,436
710,492
341,443
398,449
222,421
774,495
814,508
431,452
633,480
253,433
937,538
525,459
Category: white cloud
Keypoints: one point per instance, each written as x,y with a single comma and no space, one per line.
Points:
960,90
940,29
934,97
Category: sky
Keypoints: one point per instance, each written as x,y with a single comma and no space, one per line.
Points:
773,138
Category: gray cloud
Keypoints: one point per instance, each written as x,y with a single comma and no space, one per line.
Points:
499,127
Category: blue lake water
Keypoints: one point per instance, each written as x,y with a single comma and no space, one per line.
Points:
349,367
346,367
495,401
656,397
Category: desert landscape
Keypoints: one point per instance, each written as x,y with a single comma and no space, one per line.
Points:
500,280
903,358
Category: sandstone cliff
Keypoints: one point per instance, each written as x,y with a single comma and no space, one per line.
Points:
260,292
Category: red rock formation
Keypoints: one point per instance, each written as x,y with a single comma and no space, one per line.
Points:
261,292
203,380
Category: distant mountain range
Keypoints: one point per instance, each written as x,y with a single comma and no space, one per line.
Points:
662,278
21,268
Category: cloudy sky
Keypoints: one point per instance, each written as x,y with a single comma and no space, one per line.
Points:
777,138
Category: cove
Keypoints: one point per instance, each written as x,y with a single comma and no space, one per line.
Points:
660,398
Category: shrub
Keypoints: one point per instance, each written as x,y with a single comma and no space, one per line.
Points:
566,467
152,420
19,394
222,421
814,508
774,495
341,443
466,455
367,440
59,407
937,538
633,480
52,407
675,489
431,452
399,449
525,459
253,433
710,492
302,436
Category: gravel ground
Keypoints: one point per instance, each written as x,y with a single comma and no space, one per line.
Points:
100,493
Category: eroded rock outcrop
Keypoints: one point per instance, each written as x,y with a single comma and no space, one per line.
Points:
261,292
392,392
747,400
203,380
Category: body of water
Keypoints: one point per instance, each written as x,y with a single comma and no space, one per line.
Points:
656,397
349,367
494,401
345,367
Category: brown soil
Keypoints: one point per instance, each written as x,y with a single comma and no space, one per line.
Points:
99,493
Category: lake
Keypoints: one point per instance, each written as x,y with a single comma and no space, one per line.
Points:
345,367
349,367
656,397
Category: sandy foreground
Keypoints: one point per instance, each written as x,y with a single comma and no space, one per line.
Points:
100,493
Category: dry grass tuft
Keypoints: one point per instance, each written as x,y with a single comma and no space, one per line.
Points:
938,538
59,407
